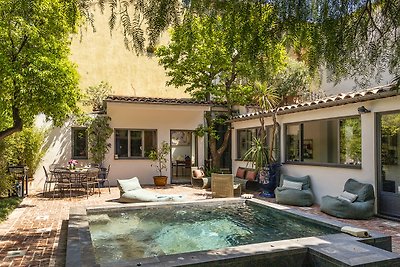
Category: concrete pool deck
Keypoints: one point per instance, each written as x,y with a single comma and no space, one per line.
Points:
35,233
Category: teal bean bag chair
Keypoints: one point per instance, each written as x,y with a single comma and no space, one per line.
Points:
356,202
294,191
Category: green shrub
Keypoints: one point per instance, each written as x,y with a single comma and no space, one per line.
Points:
21,148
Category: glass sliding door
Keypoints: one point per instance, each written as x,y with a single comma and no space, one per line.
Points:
183,155
389,164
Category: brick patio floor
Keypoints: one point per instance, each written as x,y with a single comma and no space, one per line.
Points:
35,233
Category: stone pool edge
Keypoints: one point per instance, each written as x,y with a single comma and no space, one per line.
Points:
337,249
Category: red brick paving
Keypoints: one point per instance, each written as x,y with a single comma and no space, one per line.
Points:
38,226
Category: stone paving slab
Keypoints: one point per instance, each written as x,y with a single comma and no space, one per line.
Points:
35,233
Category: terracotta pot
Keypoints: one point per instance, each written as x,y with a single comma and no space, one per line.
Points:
160,180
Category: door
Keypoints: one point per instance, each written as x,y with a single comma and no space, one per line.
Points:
389,164
183,155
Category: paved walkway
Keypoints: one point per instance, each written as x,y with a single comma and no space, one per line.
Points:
35,233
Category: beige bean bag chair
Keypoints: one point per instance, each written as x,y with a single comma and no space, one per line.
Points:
131,191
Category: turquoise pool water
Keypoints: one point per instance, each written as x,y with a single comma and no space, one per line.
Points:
170,230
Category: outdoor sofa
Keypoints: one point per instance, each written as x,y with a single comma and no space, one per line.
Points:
246,177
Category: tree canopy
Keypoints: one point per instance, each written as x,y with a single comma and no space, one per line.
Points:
214,60
351,39
36,75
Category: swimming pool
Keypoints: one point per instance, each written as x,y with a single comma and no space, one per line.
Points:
145,233
213,233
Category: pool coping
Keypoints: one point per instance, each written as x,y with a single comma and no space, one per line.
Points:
337,249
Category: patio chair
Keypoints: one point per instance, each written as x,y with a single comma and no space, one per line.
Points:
295,191
49,180
222,185
198,179
89,180
356,202
131,191
103,177
62,182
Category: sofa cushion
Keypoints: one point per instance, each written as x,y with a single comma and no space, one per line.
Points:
251,175
347,196
240,173
198,173
292,185
127,185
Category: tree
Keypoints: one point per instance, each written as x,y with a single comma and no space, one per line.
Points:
95,95
36,75
351,39
214,60
98,127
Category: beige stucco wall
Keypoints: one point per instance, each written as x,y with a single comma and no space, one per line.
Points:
330,180
163,118
102,57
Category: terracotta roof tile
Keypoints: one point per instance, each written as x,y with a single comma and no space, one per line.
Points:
156,100
330,101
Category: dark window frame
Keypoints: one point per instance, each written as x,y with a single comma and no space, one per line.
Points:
301,154
129,143
73,143
268,128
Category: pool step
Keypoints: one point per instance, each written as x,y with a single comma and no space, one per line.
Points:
351,254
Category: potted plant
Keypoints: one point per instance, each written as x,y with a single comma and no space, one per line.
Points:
159,158
257,155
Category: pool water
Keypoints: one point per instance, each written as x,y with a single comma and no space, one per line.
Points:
170,230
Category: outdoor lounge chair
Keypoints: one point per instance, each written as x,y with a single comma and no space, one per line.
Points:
198,179
356,202
294,191
131,191
222,185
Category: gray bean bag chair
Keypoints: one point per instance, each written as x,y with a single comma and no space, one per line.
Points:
294,191
356,202
131,191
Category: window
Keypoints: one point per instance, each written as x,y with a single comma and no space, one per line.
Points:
134,143
79,143
245,137
335,141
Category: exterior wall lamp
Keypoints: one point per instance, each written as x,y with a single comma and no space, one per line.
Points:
363,110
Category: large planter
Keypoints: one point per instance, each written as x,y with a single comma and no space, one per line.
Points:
160,180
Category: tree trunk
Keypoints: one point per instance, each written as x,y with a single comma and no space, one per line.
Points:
216,153
17,125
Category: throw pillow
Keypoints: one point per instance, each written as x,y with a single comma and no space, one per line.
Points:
240,173
251,175
292,185
128,184
198,173
347,196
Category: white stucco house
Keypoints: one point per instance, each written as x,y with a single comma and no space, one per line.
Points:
140,124
349,135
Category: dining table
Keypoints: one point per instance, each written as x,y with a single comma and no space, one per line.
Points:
75,179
